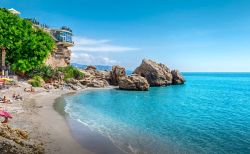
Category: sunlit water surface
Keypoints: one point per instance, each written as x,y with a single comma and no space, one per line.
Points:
209,114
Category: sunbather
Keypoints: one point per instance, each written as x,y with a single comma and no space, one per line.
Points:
29,90
17,97
4,100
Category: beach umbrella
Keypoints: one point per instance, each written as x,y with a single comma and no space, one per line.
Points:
6,79
5,114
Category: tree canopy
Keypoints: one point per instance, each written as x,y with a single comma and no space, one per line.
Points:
26,47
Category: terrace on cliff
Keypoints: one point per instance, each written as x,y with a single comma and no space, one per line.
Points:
60,57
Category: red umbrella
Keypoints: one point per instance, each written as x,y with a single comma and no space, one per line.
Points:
5,114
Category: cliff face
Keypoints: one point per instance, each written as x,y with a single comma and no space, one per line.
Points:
60,57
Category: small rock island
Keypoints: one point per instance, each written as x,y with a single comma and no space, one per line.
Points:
150,73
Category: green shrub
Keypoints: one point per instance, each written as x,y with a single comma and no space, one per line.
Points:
46,72
36,81
71,72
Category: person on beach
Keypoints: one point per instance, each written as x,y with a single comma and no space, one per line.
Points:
31,89
5,100
5,120
17,97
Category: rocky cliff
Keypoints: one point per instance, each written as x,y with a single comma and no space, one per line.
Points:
60,57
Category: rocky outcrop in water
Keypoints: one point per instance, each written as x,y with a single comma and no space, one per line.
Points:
156,74
116,73
177,77
133,82
13,141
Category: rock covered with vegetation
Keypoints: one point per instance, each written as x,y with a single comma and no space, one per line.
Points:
57,77
13,141
26,47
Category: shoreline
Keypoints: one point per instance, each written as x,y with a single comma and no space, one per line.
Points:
37,115
46,125
91,140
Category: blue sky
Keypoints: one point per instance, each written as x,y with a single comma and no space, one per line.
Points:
189,35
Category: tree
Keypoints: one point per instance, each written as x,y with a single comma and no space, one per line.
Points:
26,47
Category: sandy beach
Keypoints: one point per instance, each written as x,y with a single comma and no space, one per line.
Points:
36,115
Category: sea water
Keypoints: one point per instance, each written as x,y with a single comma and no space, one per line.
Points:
210,113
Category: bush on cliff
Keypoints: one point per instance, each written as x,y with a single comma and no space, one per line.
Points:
44,71
36,81
48,73
71,72
26,47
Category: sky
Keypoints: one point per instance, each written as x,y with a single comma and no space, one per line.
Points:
189,35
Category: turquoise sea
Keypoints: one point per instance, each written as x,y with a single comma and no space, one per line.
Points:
209,114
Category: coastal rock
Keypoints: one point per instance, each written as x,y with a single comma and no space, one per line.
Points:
74,84
116,73
90,67
73,87
14,141
177,77
72,81
156,74
133,82
91,70
98,83
86,73
94,82
103,75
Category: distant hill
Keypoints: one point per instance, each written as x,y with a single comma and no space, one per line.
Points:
98,67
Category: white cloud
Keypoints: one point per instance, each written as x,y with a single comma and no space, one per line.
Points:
87,59
88,41
83,44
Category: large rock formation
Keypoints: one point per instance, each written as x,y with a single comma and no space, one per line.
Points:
133,82
156,74
60,57
95,78
177,77
116,73
94,82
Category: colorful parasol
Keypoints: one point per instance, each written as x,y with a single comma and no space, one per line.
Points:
5,114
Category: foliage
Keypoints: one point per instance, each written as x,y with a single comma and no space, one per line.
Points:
44,71
26,47
71,72
48,73
36,81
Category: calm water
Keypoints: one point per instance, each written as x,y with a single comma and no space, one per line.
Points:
209,114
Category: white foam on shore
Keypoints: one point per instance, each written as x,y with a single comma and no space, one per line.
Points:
128,138
101,129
